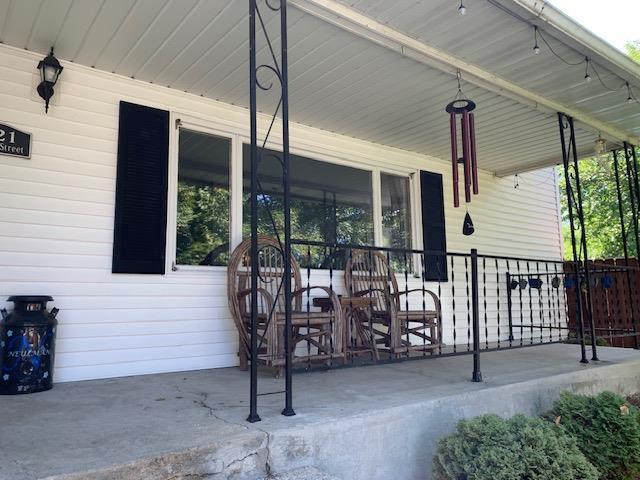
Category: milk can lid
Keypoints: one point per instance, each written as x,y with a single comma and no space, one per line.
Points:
30,298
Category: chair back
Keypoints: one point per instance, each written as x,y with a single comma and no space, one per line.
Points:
270,281
368,274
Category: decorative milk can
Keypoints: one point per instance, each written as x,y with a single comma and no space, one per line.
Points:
27,343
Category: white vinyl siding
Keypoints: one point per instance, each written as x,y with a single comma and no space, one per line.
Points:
57,209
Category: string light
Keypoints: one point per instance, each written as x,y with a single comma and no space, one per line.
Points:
462,10
600,148
536,48
589,67
587,77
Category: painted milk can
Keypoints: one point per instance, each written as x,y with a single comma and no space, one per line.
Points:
27,345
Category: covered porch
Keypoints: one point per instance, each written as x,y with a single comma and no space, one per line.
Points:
370,423
344,105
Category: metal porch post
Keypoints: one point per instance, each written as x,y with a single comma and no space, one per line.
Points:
253,389
570,203
583,237
634,169
634,195
284,83
477,374
633,192
278,68
625,247
509,307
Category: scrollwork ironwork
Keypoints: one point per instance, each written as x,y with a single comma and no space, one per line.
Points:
578,230
259,81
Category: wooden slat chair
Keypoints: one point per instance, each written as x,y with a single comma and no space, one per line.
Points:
368,274
317,336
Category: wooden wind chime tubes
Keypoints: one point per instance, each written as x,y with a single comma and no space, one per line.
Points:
463,109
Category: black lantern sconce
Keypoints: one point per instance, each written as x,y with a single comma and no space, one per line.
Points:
50,69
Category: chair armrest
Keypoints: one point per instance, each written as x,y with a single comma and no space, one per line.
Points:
335,301
362,293
433,296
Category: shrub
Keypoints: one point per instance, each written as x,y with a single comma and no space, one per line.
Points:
606,429
491,448
573,339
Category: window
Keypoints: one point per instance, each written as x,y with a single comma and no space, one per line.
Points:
396,211
329,203
396,219
203,207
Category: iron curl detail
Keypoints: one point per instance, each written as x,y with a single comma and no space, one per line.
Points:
274,70
271,7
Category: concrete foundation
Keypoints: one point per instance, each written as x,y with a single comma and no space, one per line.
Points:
369,423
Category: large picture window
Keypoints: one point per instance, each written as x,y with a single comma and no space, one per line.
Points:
329,203
203,206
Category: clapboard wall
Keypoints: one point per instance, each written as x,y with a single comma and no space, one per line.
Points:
57,213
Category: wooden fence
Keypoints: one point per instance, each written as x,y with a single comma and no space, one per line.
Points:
615,296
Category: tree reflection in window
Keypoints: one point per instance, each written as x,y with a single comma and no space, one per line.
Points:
202,223
330,203
396,219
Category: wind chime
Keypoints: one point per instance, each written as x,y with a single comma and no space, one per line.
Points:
460,110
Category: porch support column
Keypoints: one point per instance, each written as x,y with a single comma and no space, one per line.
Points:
634,155
576,220
634,195
275,66
253,388
625,245
634,189
286,184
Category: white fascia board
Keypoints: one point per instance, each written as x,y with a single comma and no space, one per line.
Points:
366,27
545,163
564,28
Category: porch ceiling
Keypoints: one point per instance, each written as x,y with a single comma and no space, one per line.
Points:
342,81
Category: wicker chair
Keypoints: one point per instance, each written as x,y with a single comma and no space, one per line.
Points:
368,274
317,336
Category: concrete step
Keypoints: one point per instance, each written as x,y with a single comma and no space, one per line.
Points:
308,473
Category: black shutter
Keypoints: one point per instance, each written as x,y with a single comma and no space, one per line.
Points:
433,226
140,231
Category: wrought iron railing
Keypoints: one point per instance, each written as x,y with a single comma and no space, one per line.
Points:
482,302
357,305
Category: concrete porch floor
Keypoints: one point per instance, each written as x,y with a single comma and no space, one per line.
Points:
362,423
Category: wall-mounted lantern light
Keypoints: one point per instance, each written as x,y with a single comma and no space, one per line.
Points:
50,69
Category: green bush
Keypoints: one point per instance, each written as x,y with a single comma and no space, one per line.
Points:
573,339
491,448
606,429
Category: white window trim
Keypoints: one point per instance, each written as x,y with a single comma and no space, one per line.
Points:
416,220
375,166
376,190
185,122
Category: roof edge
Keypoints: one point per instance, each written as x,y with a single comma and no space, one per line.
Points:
347,18
580,36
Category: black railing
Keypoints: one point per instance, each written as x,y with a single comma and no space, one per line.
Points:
391,312
356,305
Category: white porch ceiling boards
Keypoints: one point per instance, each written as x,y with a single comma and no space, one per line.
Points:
339,81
